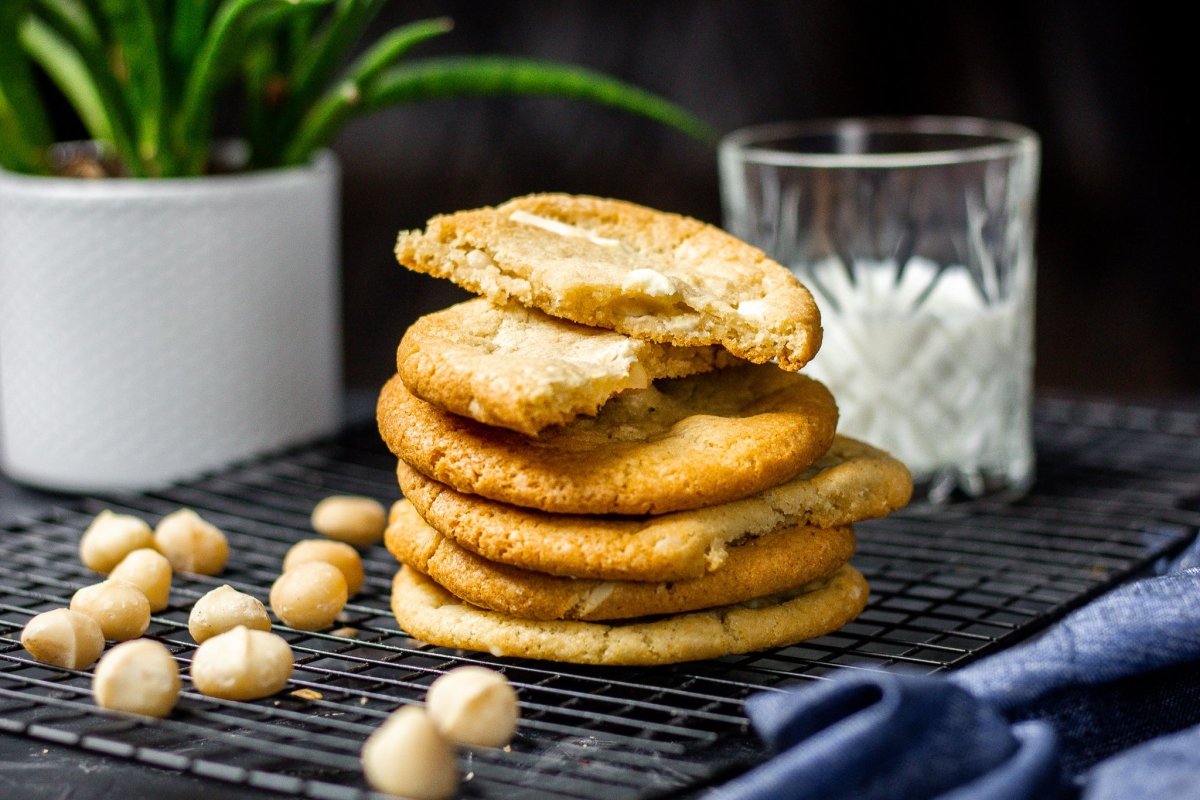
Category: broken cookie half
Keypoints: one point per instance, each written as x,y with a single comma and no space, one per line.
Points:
517,368
612,264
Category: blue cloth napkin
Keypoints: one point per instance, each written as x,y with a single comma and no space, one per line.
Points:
1081,711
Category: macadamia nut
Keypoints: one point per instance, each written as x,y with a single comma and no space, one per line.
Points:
140,677
148,570
309,596
474,705
223,609
242,664
191,543
355,520
339,554
110,538
63,638
407,756
120,608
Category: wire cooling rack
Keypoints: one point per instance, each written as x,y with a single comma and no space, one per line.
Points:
1118,487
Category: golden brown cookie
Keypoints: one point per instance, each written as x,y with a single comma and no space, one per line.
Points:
850,483
613,264
520,369
763,565
428,612
681,443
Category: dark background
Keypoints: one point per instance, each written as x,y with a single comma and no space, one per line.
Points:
1107,85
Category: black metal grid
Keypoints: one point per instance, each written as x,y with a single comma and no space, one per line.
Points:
1117,488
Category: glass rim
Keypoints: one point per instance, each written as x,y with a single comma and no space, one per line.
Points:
745,143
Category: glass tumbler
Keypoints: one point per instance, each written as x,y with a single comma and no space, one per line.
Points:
915,236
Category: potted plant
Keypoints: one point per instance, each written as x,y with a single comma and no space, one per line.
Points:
181,312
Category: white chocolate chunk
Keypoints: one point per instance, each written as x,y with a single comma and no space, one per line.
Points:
560,228
649,282
753,309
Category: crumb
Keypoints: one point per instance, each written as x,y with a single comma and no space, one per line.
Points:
308,694
347,632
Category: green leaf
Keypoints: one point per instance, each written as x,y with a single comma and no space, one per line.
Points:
135,38
188,24
220,52
393,46
491,75
317,64
24,129
336,105
77,32
68,71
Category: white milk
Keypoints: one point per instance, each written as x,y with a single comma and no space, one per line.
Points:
922,366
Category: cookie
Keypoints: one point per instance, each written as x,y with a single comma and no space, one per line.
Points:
681,443
850,483
520,369
612,264
428,612
761,566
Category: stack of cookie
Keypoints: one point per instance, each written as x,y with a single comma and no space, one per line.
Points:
610,457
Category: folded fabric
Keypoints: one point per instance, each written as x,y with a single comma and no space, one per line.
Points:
1167,767
994,730
868,735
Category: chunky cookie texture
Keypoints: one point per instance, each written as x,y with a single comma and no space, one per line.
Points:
427,611
761,566
681,443
613,264
593,472
520,369
850,483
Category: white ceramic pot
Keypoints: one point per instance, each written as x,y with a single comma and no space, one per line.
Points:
151,330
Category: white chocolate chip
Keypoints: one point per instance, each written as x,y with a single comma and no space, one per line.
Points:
477,259
648,282
560,228
753,309
474,705
140,677
407,756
